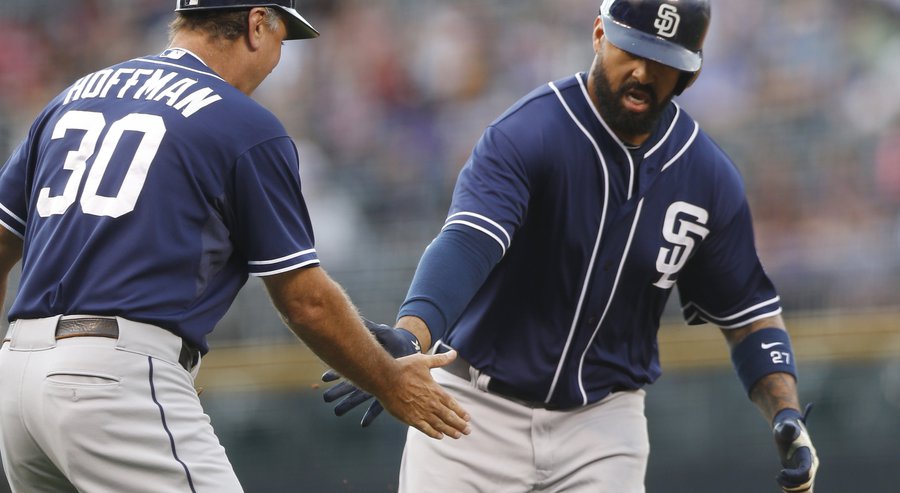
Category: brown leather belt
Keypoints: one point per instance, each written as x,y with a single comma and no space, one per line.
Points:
109,327
87,327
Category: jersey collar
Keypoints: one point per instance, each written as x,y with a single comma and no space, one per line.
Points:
187,59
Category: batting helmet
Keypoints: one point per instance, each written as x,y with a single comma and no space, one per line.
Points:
297,27
670,32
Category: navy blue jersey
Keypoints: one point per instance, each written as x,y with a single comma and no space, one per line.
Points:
594,236
151,190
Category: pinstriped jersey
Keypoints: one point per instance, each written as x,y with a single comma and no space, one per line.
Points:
151,190
594,237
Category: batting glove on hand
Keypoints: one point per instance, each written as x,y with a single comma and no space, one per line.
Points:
399,342
798,456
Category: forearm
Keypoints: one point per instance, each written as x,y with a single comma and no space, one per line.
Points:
450,272
318,311
775,392
338,337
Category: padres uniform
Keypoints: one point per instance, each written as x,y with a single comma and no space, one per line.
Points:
145,194
582,239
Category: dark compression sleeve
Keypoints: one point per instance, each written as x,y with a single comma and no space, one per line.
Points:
450,272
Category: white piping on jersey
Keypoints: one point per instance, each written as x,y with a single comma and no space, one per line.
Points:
590,269
487,220
720,321
479,228
637,216
158,62
684,148
12,215
693,317
285,269
281,259
17,218
11,230
615,138
750,320
668,132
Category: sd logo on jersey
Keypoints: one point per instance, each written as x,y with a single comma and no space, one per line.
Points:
683,227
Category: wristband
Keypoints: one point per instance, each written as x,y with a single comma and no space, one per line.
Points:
761,353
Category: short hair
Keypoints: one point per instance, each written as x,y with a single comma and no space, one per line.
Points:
227,24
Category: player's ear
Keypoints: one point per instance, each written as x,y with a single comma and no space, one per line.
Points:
256,25
598,34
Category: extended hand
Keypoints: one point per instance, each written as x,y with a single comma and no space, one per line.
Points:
423,404
398,342
798,456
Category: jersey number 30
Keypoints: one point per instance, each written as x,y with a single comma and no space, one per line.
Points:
151,126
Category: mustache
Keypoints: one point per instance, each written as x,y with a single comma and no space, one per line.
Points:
635,85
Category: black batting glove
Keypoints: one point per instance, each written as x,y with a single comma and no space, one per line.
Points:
399,342
798,456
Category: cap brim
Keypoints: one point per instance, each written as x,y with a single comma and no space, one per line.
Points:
651,47
297,27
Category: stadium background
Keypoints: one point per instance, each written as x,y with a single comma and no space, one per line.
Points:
385,107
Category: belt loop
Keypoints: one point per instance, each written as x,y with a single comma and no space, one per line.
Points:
150,340
10,331
36,334
480,380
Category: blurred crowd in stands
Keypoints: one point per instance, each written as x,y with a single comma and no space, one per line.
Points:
388,102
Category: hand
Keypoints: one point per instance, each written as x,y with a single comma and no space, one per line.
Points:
398,342
416,399
798,456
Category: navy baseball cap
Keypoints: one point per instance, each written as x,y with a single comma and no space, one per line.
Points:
297,26
670,32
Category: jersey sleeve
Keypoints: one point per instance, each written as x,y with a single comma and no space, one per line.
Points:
492,191
13,191
724,283
273,229
450,272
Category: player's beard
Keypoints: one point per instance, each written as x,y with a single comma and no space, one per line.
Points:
620,119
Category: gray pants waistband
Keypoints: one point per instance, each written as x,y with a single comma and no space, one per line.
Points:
136,337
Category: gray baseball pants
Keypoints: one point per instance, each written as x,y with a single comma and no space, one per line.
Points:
97,414
513,448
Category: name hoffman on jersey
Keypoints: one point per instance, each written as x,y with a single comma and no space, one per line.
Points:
147,84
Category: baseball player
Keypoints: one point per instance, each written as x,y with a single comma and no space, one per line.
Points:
580,209
139,202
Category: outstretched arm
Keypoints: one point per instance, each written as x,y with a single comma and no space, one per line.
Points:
450,271
764,360
318,311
